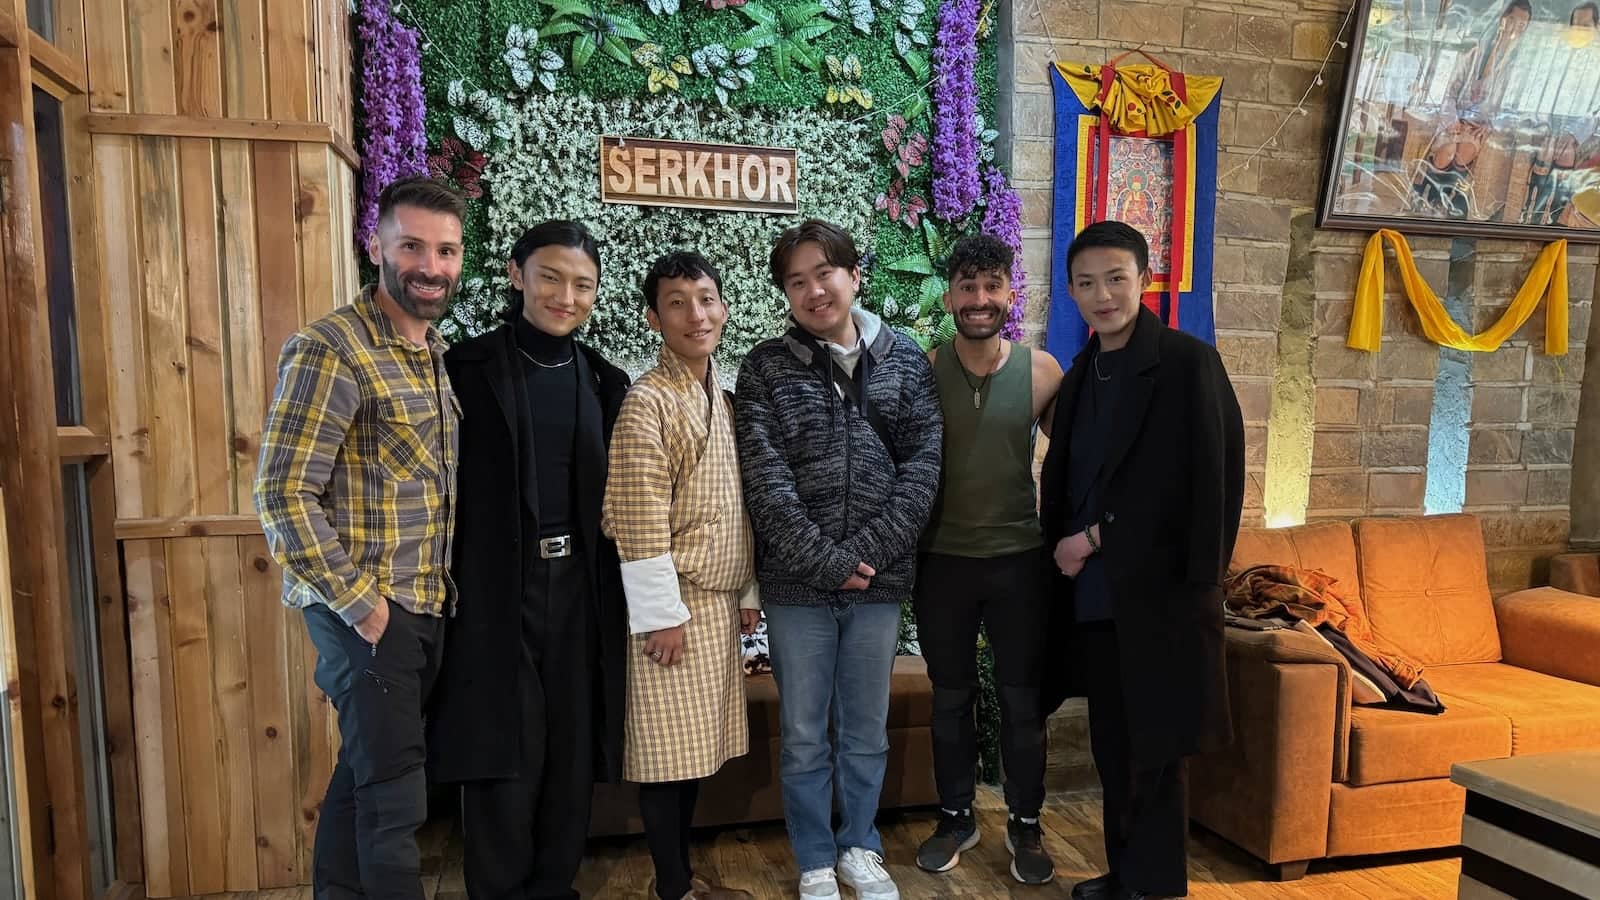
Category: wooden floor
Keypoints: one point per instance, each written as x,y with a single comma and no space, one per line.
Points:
758,860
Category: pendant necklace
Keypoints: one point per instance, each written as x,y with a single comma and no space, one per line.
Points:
977,389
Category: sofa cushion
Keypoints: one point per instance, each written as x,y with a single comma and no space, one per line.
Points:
1547,714
1426,587
1327,546
1388,745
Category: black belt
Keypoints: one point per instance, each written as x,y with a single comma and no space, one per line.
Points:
555,547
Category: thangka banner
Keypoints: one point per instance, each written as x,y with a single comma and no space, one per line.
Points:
1157,130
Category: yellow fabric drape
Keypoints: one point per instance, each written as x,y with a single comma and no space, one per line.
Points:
1141,96
1548,277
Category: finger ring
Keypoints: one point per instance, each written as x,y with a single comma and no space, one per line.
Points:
655,654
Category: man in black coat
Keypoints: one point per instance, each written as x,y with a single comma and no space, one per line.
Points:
527,714
1140,500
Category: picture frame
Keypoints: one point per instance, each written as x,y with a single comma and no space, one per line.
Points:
1470,118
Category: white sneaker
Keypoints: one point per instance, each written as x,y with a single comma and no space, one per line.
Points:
819,884
864,871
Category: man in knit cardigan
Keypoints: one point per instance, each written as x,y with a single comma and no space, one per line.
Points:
840,433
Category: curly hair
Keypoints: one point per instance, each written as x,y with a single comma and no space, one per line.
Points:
979,254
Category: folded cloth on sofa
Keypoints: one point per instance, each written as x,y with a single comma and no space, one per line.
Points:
1374,685
1314,596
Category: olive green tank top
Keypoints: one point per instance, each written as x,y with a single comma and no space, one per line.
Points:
986,504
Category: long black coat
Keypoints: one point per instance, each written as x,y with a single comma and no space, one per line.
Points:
1172,487
475,726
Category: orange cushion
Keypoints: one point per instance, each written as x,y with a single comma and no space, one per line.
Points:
1426,587
1388,745
1547,714
1321,545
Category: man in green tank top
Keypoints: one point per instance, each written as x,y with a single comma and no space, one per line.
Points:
983,562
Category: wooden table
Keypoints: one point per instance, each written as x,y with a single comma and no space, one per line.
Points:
1532,826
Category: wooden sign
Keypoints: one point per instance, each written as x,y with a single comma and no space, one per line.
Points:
651,172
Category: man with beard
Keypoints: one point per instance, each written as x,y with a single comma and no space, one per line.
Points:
355,491
529,709
982,562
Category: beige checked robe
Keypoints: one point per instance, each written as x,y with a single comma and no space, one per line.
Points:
675,507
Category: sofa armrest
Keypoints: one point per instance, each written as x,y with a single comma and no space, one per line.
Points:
1576,572
1286,646
1269,792
1551,631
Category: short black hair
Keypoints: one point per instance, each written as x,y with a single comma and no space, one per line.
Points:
837,247
552,233
979,254
679,264
1594,12
1116,235
421,192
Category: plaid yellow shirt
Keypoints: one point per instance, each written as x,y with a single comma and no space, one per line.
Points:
358,466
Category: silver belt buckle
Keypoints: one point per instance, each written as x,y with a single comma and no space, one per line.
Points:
555,547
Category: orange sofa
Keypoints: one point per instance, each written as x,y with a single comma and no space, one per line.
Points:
1311,775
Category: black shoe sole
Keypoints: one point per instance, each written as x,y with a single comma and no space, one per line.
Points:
1018,875
967,844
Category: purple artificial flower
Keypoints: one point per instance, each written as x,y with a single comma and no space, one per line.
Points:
955,102
391,91
1002,217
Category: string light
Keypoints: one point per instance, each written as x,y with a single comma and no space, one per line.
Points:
1339,42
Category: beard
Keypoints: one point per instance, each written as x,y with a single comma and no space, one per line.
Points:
396,286
977,331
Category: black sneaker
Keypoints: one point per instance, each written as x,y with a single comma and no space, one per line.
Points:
941,851
1029,863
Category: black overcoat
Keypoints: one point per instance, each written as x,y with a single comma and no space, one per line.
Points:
475,713
1172,486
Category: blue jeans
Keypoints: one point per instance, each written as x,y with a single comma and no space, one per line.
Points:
843,656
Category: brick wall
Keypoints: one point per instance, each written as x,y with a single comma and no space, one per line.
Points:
1360,421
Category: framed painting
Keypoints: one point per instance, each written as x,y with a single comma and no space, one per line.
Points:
1470,117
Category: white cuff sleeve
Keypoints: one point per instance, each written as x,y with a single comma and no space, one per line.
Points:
654,601
750,596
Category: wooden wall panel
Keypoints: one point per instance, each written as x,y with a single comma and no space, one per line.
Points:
187,576
237,244
212,415
170,423
161,777
197,57
244,60
213,251
291,68
152,81
249,373
107,38
277,796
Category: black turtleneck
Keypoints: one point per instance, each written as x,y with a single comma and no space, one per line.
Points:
550,379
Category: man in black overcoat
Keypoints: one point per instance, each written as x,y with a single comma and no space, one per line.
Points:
528,712
1140,500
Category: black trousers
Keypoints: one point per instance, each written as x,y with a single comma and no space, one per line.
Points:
523,837
667,809
366,844
1146,809
1007,595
